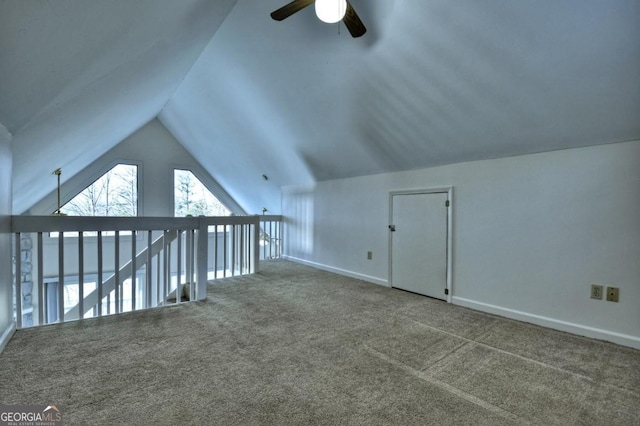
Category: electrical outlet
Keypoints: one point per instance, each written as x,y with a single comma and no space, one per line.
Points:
596,291
369,255
612,294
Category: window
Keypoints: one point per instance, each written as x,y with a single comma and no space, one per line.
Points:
193,198
113,194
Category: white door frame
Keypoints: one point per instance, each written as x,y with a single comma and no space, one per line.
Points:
449,191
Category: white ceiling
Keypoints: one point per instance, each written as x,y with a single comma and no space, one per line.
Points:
79,76
432,82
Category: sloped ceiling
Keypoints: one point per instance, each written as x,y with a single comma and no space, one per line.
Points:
432,82
79,76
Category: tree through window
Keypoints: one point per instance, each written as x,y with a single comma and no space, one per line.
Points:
115,193
193,198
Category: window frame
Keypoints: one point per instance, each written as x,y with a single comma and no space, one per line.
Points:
71,190
210,184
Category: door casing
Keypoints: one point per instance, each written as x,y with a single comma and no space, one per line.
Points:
449,191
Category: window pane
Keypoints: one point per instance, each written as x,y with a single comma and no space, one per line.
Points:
113,194
193,198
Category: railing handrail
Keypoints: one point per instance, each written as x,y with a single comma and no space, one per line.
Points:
271,217
137,223
100,223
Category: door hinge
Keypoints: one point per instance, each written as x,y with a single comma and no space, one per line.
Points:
447,203
446,291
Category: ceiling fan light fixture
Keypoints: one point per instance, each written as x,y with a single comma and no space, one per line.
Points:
331,11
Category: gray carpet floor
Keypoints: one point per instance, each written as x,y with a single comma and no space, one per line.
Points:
295,345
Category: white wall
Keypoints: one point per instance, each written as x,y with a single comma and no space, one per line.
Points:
530,234
7,326
157,153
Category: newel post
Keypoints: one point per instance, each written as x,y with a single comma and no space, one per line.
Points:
256,245
203,238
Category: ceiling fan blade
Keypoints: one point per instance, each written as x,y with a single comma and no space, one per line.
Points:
289,9
353,22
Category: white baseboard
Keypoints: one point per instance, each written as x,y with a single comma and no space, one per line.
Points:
6,335
581,330
339,271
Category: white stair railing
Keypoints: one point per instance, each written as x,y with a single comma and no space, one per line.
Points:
270,236
69,268
125,272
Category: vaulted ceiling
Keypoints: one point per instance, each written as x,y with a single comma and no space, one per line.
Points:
431,82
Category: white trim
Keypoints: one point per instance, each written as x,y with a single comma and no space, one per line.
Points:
6,335
437,190
339,271
581,330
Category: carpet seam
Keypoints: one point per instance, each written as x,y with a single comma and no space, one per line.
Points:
524,358
449,388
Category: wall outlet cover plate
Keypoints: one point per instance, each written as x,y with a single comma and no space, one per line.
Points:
596,291
612,294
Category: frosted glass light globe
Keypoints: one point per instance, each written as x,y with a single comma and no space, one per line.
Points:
331,11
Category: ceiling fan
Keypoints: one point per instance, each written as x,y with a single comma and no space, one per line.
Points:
342,8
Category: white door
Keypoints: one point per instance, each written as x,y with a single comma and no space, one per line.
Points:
419,243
